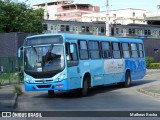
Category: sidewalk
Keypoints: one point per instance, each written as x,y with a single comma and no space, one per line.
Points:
7,98
152,89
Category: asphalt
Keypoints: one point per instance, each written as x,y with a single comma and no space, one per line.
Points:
8,97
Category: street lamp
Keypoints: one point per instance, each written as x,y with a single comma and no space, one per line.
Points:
107,18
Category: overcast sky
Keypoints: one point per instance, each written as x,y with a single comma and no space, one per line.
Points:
150,5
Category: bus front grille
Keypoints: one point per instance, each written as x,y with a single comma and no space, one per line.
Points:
43,86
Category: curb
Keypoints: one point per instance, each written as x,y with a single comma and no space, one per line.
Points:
14,101
141,90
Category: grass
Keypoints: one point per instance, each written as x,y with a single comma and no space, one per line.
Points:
11,78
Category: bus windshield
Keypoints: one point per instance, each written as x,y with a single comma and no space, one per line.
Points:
44,58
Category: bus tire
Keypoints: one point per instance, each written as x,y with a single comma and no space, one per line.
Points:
51,93
84,90
127,82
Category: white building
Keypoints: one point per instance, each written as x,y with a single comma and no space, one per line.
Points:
121,16
50,8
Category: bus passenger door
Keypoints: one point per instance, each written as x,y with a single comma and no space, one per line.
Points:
72,66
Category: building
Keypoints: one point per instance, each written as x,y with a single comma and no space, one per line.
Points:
50,8
98,28
66,10
121,16
74,11
153,18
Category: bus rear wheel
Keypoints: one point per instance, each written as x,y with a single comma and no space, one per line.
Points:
51,93
84,90
127,82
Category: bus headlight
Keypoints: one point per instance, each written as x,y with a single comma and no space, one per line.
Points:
27,79
61,77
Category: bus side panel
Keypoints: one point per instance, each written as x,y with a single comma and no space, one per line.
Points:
114,70
74,80
96,69
76,74
137,67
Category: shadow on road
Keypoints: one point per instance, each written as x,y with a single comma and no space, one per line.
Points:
92,91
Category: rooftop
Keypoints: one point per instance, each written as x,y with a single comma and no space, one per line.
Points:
53,2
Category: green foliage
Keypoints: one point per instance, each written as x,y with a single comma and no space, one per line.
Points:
154,66
18,17
149,60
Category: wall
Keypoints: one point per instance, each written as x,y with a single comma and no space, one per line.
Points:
150,45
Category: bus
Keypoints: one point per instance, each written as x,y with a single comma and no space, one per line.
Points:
70,61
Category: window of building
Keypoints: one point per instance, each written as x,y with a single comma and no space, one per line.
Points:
116,50
83,50
121,31
132,31
156,51
106,50
117,30
75,28
134,50
114,15
51,27
147,32
72,58
85,29
125,48
102,30
93,47
133,14
64,27
67,27
45,27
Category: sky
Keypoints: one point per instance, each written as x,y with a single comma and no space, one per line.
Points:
150,5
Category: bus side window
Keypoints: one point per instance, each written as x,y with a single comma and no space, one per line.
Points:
93,47
72,58
83,50
68,51
134,50
140,48
116,49
106,50
125,49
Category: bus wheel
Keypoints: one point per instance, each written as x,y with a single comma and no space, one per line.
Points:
127,82
51,93
84,89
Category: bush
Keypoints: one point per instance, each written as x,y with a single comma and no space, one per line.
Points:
149,60
154,66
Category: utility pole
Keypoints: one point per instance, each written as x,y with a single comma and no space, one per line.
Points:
107,18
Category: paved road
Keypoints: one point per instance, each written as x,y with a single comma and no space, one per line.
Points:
100,98
107,98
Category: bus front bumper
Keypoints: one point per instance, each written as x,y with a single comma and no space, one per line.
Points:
63,85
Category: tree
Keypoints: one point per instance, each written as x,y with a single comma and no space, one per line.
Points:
19,17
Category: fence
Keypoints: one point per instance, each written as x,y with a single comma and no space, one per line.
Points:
10,70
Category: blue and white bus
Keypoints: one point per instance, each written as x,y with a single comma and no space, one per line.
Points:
71,61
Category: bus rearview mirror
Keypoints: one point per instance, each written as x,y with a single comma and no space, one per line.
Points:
19,52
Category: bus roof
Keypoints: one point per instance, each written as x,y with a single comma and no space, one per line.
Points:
91,37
